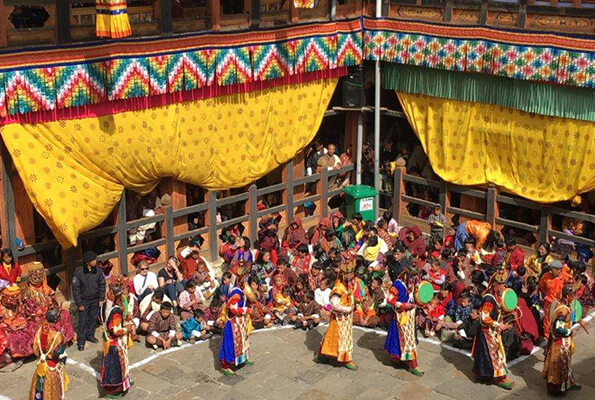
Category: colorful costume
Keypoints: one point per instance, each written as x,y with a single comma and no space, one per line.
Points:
19,331
37,297
557,369
488,350
338,340
115,374
50,380
400,340
235,346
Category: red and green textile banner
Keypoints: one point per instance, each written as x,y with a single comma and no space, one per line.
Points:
557,58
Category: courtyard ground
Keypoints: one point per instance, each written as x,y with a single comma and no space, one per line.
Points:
285,369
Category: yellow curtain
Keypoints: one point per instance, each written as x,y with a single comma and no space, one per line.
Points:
75,170
545,159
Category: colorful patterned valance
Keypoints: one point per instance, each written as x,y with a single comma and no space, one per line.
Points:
532,56
75,76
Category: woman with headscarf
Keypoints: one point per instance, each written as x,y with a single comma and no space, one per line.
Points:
320,231
294,234
413,240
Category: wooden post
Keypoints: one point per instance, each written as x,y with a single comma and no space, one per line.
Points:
7,202
211,220
253,214
399,191
63,21
483,17
444,199
545,224
324,192
332,4
293,13
24,216
121,242
491,206
215,13
166,17
3,25
299,167
177,192
350,142
288,192
254,17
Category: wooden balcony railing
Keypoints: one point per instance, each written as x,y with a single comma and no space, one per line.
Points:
33,22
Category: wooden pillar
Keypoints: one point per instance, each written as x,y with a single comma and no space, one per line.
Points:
251,210
63,21
166,17
288,193
492,206
299,168
6,199
214,7
25,225
350,142
3,25
293,13
211,222
121,242
399,191
177,192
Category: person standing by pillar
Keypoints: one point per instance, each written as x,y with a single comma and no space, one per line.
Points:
88,290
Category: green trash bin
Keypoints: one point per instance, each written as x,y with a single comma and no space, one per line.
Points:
361,199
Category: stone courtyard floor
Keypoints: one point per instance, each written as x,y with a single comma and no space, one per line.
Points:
284,369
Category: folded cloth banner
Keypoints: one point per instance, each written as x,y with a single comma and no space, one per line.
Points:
544,159
305,3
75,170
112,19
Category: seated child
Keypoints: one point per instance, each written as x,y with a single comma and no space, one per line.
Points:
261,315
315,276
150,305
433,318
301,261
307,316
436,274
196,328
463,338
162,330
190,300
322,295
282,305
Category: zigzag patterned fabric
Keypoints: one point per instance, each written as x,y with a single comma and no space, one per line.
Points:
39,89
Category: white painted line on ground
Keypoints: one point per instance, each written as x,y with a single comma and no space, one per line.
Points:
84,367
2,397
